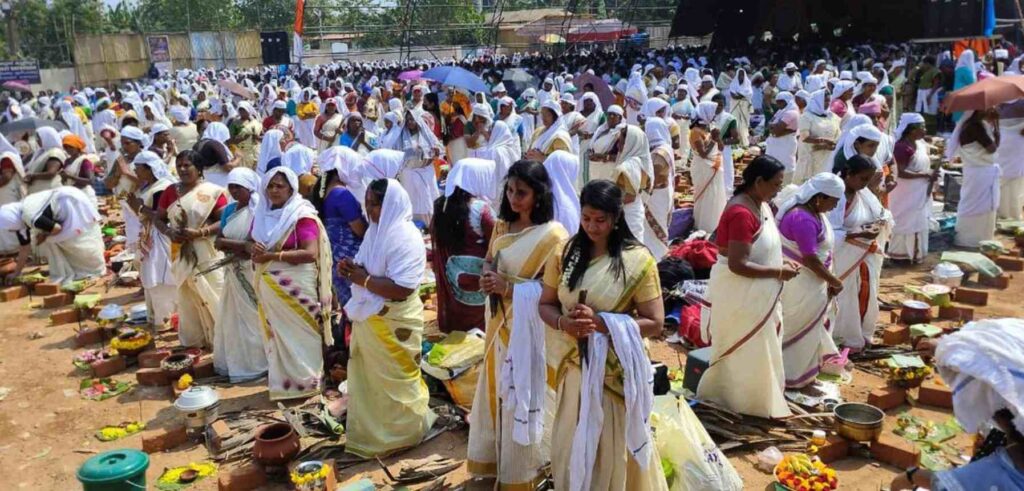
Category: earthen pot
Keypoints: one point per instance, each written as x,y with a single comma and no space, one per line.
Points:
276,444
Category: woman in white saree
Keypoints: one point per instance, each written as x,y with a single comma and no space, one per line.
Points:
741,93
156,273
43,170
634,173
659,204
189,213
819,132
860,224
421,147
807,238
706,174
976,140
292,283
388,403
911,200
744,323
238,347
65,229
551,136
12,189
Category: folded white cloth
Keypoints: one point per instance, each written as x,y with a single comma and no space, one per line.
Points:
638,388
523,384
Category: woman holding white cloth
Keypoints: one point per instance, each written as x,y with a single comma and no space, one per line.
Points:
911,200
156,273
976,139
706,174
782,140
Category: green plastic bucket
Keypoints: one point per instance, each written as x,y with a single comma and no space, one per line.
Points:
117,470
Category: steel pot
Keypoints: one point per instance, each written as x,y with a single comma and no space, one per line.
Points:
857,421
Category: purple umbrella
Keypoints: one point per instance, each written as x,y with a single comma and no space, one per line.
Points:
410,75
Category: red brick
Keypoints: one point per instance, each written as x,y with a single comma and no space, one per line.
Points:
933,393
108,367
837,448
13,293
61,317
203,368
87,336
43,289
152,377
57,300
888,397
245,478
163,439
894,316
218,432
1010,263
963,314
971,297
895,335
893,450
1001,282
153,357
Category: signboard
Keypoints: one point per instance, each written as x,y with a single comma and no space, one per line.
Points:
25,71
160,52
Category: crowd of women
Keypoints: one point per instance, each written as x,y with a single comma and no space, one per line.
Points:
293,220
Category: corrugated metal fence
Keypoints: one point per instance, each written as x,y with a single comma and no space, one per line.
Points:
107,58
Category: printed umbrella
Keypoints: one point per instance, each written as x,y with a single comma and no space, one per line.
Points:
456,77
410,75
601,88
985,94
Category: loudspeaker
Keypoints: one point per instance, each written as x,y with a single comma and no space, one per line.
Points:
275,48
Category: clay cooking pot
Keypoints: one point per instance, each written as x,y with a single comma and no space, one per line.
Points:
276,444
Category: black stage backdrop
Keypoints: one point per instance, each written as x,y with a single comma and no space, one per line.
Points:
734,22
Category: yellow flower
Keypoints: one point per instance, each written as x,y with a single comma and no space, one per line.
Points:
184,382
309,477
172,476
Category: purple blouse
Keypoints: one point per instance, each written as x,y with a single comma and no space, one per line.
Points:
802,227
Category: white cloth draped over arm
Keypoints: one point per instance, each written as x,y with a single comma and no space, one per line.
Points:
523,385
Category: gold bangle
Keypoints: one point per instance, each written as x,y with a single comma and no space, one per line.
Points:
366,281
280,257
558,323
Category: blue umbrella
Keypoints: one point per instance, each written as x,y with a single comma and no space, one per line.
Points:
456,77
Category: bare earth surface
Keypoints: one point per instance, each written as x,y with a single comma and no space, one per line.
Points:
46,429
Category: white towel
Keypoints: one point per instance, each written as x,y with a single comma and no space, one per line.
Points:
523,384
983,363
638,388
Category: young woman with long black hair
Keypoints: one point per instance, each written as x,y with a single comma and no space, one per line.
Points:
601,297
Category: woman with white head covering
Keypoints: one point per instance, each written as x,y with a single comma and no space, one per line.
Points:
516,123
604,145
528,107
563,168
12,189
189,213
328,125
461,233
741,93
551,135
819,132
337,199
790,79
43,170
270,151
75,124
156,274
64,227
238,346
861,226
248,130
392,137
500,148
218,134
659,203
842,101
709,195
292,284
636,96
910,201
634,173
300,159
976,139
307,109
420,147
807,238
782,140
388,408
355,135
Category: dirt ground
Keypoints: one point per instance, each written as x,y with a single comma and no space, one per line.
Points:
46,429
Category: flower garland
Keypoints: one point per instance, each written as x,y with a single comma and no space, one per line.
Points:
306,478
170,480
131,340
111,433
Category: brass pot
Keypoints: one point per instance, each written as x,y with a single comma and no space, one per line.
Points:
858,422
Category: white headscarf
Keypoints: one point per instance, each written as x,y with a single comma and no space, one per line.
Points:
393,136
816,103
384,164
841,87
299,159
349,164
706,112
563,169
790,105
907,119
657,132
866,131
744,89
155,164
248,179
425,137
392,246
474,175
10,217
270,149
825,183
219,133
269,225
70,117
549,133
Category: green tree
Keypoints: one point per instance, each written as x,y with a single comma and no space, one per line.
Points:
44,29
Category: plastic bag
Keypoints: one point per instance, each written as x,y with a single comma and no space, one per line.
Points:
695,462
768,458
